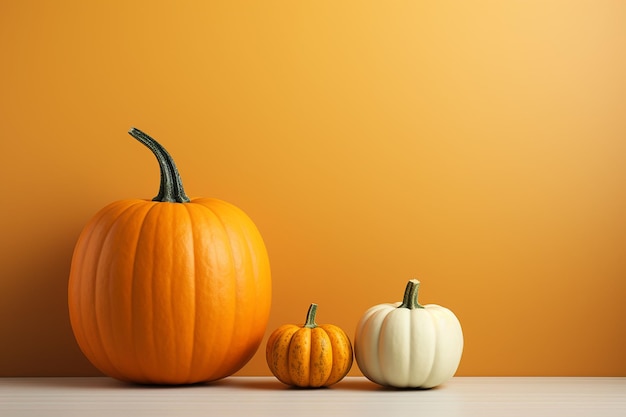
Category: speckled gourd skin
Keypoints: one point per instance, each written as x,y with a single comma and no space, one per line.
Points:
309,356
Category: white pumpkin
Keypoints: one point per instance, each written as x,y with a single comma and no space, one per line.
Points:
406,345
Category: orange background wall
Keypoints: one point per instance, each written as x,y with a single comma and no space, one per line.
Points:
478,146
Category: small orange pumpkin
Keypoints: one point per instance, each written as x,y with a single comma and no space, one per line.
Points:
309,356
169,291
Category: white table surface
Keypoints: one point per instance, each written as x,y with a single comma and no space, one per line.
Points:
354,396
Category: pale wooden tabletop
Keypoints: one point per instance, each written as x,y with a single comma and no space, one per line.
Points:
354,396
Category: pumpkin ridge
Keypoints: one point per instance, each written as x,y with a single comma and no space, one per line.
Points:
123,221
138,358
341,353
320,357
198,362
383,372
171,282
172,308
300,356
76,304
104,347
278,343
194,326
75,286
237,237
191,285
239,240
150,320
258,264
256,269
225,364
436,341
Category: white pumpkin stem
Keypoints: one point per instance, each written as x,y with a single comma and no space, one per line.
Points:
410,295
309,323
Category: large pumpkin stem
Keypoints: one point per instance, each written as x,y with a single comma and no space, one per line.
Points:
309,323
410,295
171,188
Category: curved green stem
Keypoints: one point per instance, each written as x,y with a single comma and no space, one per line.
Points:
171,189
410,295
309,323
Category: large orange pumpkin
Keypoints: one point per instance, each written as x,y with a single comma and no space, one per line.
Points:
169,291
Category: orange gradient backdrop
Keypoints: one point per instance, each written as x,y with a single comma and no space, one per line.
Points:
477,146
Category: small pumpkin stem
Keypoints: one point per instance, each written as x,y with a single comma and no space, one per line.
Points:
171,189
410,295
309,323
